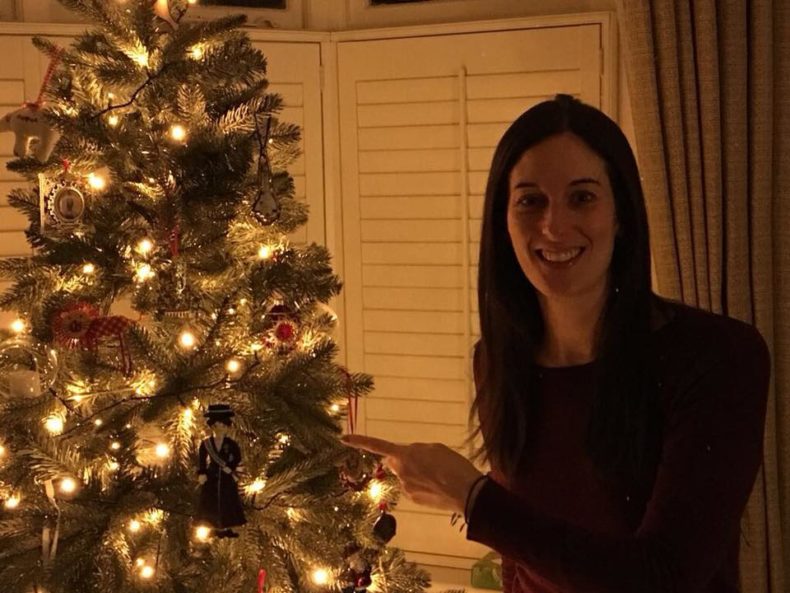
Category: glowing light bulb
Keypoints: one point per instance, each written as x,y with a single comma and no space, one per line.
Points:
54,424
68,485
113,466
143,273
233,366
284,439
256,486
187,339
134,526
98,422
320,576
18,326
256,346
140,562
202,533
113,120
178,132
375,490
2,451
12,502
155,516
192,1
147,572
264,252
88,269
145,246
162,451
292,513
115,445
196,52
97,182
335,408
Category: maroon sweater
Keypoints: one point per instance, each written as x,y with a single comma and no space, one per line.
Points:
561,529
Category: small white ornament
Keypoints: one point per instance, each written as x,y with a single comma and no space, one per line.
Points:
28,124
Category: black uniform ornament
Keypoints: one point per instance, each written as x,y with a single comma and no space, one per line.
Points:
219,456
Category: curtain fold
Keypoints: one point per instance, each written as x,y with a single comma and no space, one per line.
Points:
709,91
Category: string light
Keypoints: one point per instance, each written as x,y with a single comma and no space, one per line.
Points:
178,132
139,562
12,502
256,346
335,408
54,424
134,525
88,269
196,52
320,576
202,533
256,486
187,339
375,490
233,366
18,326
97,182
2,451
113,466
147,572
144,272
68,485
144,246
162,451
98,422
115,445
264,252
140,56
113,120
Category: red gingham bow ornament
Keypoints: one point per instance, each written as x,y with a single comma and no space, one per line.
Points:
79,325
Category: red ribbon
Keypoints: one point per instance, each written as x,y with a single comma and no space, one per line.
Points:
261,579
175,240
47,76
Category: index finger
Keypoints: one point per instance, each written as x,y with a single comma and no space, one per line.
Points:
372,444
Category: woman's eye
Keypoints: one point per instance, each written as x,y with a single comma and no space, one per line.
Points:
582,197
530,200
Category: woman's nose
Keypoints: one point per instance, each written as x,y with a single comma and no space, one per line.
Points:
556,220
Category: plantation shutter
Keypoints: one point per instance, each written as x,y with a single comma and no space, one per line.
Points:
419,119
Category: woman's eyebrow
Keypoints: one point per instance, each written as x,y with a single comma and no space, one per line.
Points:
579,181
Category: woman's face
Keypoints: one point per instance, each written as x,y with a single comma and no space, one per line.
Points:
561,218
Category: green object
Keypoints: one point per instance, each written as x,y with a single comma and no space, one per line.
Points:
487,572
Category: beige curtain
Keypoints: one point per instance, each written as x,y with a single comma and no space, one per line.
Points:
710,91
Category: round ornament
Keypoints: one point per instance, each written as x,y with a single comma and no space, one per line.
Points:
28,367
67,204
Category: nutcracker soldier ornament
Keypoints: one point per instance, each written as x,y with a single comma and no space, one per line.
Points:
219,456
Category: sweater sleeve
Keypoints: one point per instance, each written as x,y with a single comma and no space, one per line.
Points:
712,450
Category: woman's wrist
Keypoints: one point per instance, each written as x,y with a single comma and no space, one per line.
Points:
471,495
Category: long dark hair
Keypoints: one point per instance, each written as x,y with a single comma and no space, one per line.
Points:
623,433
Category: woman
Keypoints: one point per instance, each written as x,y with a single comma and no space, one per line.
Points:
624,431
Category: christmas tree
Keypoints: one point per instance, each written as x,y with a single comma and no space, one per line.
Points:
170,404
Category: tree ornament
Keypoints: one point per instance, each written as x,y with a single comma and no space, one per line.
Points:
265,207
162,10
30,126
29,123
219,457
280,327
28,367
79,325
356,578
385,526
63,203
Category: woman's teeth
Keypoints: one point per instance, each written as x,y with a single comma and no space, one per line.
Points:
559,256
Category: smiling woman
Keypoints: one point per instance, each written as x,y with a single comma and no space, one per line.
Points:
624,431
